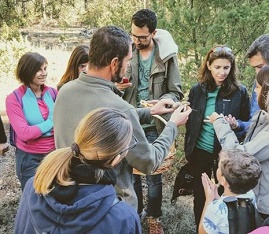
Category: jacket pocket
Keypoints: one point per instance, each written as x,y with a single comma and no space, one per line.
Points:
158,85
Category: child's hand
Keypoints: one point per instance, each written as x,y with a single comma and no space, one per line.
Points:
211,190
211,118
232,121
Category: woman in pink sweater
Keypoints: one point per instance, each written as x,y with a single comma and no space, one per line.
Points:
30,111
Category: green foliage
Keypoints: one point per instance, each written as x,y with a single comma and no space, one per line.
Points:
10,52
199,25
8,33
102,12
195,25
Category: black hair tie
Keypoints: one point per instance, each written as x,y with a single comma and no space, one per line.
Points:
75,149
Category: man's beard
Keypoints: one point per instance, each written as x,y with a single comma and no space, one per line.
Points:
117,78
142,46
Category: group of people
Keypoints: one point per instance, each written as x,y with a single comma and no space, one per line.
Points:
77,145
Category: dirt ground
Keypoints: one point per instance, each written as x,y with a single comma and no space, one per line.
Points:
177,219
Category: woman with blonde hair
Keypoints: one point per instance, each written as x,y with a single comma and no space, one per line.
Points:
73,191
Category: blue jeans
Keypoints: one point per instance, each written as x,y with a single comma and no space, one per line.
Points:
154,183
26,164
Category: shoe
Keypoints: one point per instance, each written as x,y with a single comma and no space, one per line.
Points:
142,215
155,226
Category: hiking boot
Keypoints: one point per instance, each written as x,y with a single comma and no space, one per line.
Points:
155,226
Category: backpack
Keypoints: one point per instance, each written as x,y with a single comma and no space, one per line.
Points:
12,133
183,183
243,216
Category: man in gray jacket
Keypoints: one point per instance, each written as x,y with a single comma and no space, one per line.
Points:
110,52
153,74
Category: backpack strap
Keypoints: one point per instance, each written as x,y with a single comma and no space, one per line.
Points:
17,97
52,93
12,134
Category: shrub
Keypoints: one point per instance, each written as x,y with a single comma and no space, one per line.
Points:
10,52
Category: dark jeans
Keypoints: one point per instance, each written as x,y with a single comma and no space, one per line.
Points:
26,164
202,161
154,183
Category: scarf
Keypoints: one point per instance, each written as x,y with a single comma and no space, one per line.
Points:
80,173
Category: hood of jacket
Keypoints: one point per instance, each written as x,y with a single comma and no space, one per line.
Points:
166,43
88,208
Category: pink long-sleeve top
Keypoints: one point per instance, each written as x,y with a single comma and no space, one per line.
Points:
32,138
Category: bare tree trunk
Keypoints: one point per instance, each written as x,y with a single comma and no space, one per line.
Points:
43,8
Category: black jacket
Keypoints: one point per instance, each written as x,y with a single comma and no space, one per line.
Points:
237,104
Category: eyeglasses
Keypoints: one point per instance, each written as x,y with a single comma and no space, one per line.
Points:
140,38
102,163
220,48
130,146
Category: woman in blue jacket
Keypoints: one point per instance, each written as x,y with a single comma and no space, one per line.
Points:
218,91
72,191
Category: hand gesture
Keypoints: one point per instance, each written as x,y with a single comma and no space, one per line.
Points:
211,118
122,86
232,121
181,115
159,107
211,189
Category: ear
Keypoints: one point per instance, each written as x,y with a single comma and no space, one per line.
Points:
116,160
224,182
208,66
114,64
154,33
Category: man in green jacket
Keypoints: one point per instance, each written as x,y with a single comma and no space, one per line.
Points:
153,74
109,54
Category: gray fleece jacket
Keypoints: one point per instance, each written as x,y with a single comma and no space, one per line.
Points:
257,144
78,97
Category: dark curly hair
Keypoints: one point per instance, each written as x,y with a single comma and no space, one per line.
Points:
145,17
240,169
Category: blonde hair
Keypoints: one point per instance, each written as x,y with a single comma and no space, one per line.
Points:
100,135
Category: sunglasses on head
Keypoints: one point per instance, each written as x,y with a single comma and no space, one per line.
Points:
222,48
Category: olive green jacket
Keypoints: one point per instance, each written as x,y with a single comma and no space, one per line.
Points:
164,81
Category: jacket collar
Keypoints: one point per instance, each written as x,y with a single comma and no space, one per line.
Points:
92,80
